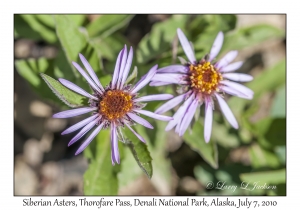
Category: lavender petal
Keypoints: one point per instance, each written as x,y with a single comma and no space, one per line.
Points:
135,133
230,56
117,69
208,121
235,92
217,45
178,116
186,46
91,71
140,120
170,104
157,97
122,67
83,131
173,69
238,77
86,76
227,112
77,89
155,83
89,139
232,67
74,112
153,115
241,88
146,80
79,124
114,140
170,78
127,67
188,117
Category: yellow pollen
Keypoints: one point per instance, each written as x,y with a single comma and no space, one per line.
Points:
115,104
204,78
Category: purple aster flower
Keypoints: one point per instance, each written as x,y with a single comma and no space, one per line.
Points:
202,82
114,106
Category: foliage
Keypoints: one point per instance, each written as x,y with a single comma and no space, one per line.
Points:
263,140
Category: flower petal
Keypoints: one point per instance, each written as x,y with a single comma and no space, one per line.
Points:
238,77
79,124
122,67
135,133
114,140
144,81
170,78
86,76
188,117
241,88
230,56
235,92
139,120
89,139
74,112
171,104
186,46
227,112
83,131
154,115
117,69
173,69
91,71
178,116
232,67
217,45
156,83
77,89
127,67
157,97
208,121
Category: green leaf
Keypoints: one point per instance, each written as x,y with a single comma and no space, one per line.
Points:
69,97
250,36
105,25
159,39
132,76
268,177
263,158
35,27
140,153
74,42
268,80
195,140
278,106
101,176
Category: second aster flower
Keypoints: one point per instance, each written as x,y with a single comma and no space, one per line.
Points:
202,81
114,106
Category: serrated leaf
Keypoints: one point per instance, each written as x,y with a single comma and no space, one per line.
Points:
140,153
132,76
195,139
69,97
105,25
268,177
101,176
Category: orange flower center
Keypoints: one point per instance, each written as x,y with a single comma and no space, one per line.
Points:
115,104
205,78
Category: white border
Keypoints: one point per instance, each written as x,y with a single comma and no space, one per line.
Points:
8,8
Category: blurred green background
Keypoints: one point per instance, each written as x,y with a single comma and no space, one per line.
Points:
255,153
